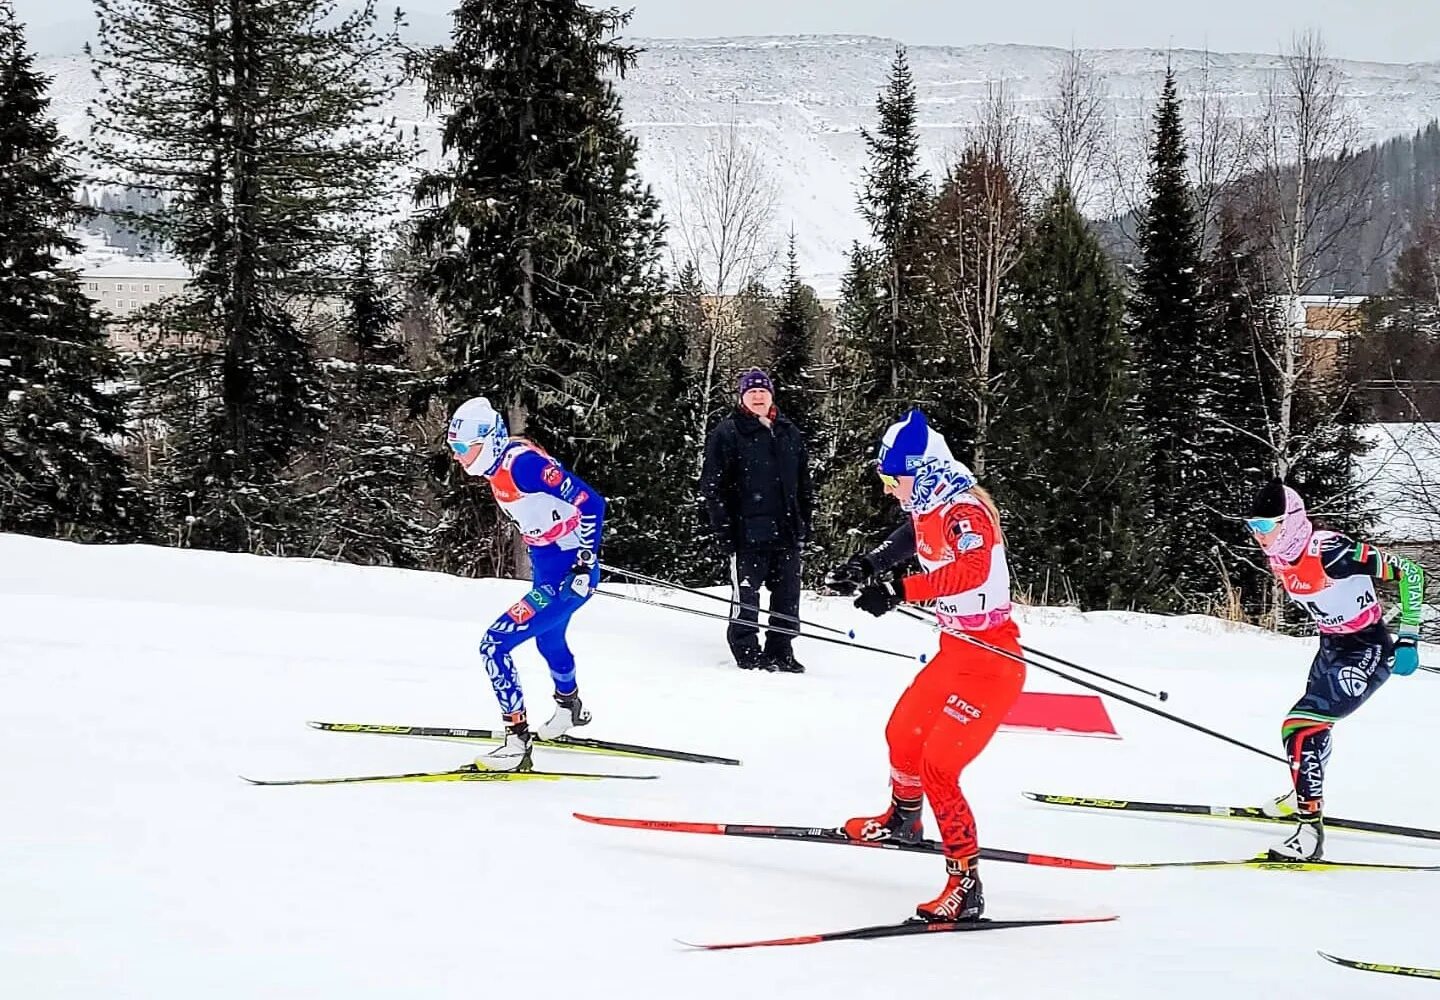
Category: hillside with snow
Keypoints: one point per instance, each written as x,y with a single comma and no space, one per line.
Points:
136,683
804,100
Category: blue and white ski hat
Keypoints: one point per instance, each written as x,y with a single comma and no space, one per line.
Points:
476,425
909,444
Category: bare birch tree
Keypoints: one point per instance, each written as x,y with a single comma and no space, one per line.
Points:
1221,150
981,220
1074,125
723,221
1309,189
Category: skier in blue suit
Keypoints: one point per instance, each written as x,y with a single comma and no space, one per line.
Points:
561,519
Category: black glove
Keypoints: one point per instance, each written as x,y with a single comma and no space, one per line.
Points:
579,579
849,576
880,597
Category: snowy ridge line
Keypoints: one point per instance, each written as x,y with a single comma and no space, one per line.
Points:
811,96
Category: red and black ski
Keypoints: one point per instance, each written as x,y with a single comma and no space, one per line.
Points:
830,835
905,928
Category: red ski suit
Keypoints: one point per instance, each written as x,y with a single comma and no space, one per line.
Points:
954,705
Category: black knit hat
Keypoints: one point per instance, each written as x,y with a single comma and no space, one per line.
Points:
1270,501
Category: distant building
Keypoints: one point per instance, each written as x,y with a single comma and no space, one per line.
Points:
1326,323
121,287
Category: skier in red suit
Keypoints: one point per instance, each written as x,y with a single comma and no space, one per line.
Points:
954,705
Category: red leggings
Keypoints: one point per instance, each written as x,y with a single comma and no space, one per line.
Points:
942,722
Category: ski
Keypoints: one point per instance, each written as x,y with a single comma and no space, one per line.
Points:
1247,813
581,744
831,835
470,773
1393,970
1264,863
904,928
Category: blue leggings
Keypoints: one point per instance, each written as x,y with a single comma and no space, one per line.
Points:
543,615
1343,676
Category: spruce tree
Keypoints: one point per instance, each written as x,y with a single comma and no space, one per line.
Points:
701,561
1067,467
1235,421
887,352
61,414
651,521
543,244
1175,363
1396,355
796,328
894,200
253,122
367,504
852,513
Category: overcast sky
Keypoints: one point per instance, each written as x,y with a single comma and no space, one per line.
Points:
1381,30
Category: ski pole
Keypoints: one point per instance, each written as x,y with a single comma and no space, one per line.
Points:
655,581
1158,695
1127,700
782,631
1131,701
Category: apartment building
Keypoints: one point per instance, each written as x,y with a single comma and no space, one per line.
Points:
123,286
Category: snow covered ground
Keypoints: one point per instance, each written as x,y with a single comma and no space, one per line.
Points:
136,683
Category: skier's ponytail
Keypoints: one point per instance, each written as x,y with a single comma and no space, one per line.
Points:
988,502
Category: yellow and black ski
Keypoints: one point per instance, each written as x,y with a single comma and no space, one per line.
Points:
1393,970
1263,863
469,773
581,744
1248,813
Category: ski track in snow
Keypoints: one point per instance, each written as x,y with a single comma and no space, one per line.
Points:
136,683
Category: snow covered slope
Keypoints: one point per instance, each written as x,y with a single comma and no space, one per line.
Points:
805,98
136,683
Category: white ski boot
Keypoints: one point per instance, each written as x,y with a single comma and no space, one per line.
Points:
512,755
569,713
1307,843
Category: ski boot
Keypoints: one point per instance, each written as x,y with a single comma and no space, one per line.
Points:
514,753
1307,843
569,713
902,822
963,897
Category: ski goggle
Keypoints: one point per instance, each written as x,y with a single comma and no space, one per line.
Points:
462,448
1264,525
889,481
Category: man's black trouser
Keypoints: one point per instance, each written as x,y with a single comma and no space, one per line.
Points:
778,571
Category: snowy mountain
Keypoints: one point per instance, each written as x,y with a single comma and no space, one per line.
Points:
804,99
136,683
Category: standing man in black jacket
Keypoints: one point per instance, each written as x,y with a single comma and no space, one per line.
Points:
756,484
